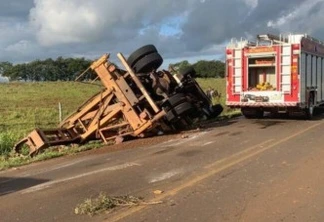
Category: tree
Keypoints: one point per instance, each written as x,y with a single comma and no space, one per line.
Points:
45,70
204,69
4,68
180,66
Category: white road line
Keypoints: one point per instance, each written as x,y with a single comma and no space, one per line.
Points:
164,176
53,168
37,172
48,184
207,143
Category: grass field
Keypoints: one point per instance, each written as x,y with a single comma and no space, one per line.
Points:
25,106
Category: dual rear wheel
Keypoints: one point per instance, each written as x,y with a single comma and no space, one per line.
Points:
145,59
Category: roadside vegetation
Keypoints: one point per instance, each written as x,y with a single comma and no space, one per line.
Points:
95,205
29,105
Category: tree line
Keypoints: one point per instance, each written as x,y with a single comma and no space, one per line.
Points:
63,69
67,69
203,68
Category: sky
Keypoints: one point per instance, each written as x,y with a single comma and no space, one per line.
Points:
181,30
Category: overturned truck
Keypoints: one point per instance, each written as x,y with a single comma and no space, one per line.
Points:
137,101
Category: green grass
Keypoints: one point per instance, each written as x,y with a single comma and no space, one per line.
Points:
25,106
219,85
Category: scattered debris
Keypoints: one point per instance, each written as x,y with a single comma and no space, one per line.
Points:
157,192
185,136
93,206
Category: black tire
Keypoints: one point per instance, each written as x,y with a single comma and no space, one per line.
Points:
252,113
216,110
310,109
183,108
188,71
259,113
170,116
140,53
148,63
174,101
179,111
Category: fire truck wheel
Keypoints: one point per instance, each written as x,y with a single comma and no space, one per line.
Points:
140,53
252,113
188,71
148,63
310,109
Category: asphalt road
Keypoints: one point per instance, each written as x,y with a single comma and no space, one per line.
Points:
236,170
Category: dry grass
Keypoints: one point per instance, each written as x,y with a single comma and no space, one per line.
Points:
92,206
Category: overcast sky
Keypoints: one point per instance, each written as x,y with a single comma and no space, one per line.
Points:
180,29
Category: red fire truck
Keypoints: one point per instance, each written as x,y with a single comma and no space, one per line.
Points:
275,74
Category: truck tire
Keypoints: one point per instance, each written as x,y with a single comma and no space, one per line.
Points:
188,71
148,63
216,110
178,112
140,53
174,101
252,113
171,116
183,108
310,109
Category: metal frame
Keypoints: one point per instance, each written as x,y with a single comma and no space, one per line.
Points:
116,111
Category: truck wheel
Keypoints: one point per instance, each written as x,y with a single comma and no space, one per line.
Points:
183,108
178,112
140,53
259,113
310,109
216,110
170,116
251,113
148,63
174,101
188,71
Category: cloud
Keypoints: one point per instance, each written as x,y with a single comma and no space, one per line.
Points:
82,21
305,18
182,29
17,9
